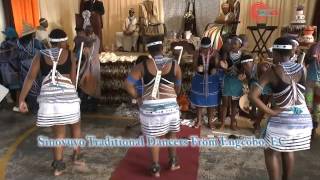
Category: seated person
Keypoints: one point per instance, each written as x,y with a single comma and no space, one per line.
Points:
139,84
226,16
127,40
42,34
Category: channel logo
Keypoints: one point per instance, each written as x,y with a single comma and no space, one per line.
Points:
260,11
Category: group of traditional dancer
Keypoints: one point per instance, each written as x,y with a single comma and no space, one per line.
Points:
217,86
219,80
156,82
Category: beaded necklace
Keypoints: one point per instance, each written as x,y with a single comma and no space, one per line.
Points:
291,68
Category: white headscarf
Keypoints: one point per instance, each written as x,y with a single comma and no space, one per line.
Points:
86,16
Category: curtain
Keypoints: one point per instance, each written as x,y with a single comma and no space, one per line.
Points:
25,11
286,12
61,13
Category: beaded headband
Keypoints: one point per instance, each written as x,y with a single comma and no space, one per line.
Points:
246,60
44,20
296,42
277,46
58,39
154,43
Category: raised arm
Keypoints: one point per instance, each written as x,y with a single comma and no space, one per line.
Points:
130,83
31,76
177,84
257,89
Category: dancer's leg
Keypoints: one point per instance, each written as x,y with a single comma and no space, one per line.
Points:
198,122
58,164
173,161
212,114
272,160
234,112
223,110
76,134
287,165
155,159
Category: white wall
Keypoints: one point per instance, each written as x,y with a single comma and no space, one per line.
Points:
2,21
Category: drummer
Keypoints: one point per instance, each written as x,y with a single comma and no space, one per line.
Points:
253,71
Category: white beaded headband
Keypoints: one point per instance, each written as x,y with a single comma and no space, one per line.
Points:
44,20
296,42
58,39
277,46
246,60
240,40
154,43
205,45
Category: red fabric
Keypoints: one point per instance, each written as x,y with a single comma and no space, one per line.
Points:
137,162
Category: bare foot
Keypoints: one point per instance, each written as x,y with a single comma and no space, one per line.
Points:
58,173
155,170
81,166
197,125
221,127
233,127
175,167
156,175
59,167
212,127
256,128
211,123
79,163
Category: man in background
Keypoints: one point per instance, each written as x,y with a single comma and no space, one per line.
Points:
9,68
127,39
42,33
96,9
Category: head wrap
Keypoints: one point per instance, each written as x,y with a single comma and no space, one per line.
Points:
10,33
86,16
